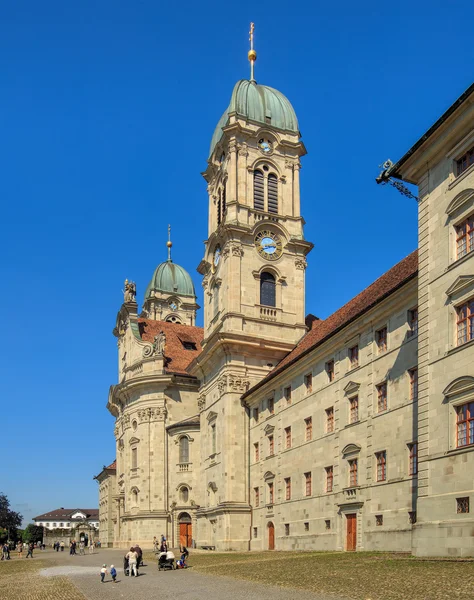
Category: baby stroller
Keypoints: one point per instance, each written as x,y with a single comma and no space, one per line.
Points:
165,563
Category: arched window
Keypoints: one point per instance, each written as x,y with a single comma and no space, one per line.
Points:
215,298
258,191
184,493
272,193
224,200
267,289
184,450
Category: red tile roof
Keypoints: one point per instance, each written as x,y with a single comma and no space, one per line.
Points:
112,465
321,330
177,356
65,514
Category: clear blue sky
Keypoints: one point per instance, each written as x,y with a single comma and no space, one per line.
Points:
106,113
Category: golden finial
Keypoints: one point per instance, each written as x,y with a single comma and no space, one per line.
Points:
169,243
252,54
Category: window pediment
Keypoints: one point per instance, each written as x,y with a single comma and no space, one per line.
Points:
460,200
461,385
269,475
211,416
133,440
269,429
460,284
351,388
351,449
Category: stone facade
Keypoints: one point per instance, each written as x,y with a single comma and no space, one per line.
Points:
266,429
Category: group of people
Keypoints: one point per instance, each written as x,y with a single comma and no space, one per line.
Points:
132,561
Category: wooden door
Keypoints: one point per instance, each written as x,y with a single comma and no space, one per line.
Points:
351,537
185,534
271,536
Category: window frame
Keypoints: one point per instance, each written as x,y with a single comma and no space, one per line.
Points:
288,437
271,405
308,484
287,481
256,497
382,397
354,410
330,370
287,394
458,162
381,464
330,422
468,305
256,447
308,429
413,375
353,472
329,479
412,320
413,458
468,421
381,339
308,382
271,445
271,492
353,353
462,504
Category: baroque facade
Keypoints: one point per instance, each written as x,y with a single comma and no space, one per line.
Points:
268,428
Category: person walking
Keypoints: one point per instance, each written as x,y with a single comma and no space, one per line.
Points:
81,548
19,549
132,562
30,550
62,546
5,552
91,548
113,572
103,573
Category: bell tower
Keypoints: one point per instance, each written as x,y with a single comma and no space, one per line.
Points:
254,286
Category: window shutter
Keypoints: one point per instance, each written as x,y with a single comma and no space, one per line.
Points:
258,193
272,193
267,289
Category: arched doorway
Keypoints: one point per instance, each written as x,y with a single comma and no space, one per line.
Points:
271,536
185,530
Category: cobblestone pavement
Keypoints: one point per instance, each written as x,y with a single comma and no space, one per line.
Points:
164,585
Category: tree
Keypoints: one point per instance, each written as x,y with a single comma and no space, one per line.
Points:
33,533
9,519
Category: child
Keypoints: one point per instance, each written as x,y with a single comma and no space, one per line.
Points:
103,572
113,572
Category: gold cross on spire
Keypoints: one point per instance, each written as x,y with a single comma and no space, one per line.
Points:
169,243
252,54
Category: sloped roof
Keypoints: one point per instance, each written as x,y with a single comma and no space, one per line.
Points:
112,466
322,330
65,514
186,422
177,356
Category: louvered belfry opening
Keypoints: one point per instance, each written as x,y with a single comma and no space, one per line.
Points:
267,289
258,191
272,193
224,200
219,204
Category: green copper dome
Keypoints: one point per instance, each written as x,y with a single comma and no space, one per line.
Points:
258,103
171,278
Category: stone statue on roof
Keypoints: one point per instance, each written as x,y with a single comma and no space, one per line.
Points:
130,291
159,343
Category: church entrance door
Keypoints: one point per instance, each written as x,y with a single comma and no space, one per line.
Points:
351,536
185,530
271,536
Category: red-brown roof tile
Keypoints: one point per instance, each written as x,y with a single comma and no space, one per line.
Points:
177,356
321,330
113,465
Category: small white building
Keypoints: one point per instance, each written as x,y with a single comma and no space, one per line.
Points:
68,518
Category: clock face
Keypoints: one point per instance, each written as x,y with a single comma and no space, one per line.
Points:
217,255
265,146
268,244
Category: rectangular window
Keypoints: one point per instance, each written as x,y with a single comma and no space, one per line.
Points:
381,466
413,373
327,524
257,451
287,437
270,493
308,382
288,488
306,526
329,419
353,479
462,505
308,484
255,415
465,424
134,458
413,322
465,322
287,394
465,237
354,409
330,370
271,446
213,439
412,517
271,406
354,356
329,478
256,495
309,428
413,464
382,397
379,520
466,160
381,339
255,532
287,529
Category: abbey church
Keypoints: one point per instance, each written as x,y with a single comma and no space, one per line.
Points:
269,428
